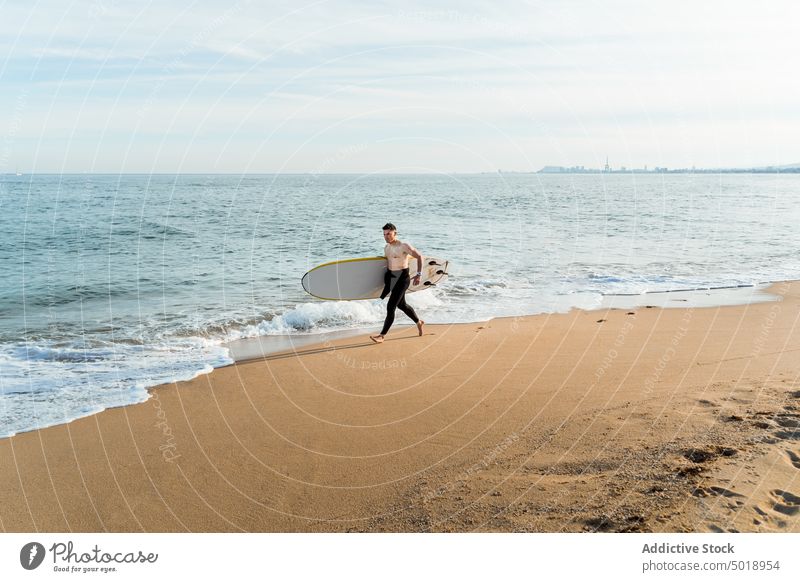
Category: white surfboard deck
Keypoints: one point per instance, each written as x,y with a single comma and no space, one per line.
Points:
353,279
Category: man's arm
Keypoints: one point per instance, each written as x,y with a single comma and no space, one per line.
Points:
416,254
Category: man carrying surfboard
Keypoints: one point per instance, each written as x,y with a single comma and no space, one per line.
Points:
397,280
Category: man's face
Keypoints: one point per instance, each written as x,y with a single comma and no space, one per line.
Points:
389,235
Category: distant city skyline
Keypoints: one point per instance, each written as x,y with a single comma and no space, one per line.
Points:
342,87
609,168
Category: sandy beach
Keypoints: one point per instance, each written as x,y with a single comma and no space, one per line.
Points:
641,419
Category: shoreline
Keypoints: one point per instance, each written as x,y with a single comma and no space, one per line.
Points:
247,349
681,419
260,347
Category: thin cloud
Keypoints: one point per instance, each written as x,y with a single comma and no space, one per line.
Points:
652,83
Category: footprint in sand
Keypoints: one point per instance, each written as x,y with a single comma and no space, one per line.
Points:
788,435
785,502
708,454
793,459
788,420
715,491
724,492
770,519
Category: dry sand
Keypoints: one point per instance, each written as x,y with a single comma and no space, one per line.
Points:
646,419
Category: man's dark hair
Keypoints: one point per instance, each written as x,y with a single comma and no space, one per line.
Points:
389,226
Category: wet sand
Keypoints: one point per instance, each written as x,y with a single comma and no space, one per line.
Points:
633,419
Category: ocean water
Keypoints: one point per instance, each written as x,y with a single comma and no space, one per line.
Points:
112,284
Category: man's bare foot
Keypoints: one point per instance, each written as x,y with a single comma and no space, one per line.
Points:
420,325
378,339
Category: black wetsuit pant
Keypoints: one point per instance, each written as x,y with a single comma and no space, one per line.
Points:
397,299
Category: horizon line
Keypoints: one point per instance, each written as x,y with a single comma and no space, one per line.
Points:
566,170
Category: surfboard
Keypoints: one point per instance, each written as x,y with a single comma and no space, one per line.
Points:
353,279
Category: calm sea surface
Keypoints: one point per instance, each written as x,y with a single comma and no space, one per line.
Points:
112,284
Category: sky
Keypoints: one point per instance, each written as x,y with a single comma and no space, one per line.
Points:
343,86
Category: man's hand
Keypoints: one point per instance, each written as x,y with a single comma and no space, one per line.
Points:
415,280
